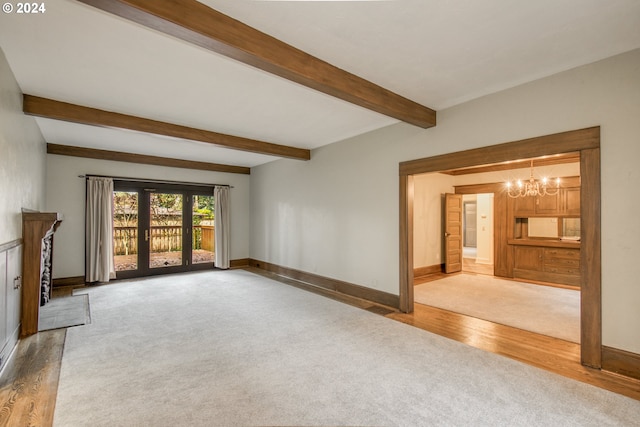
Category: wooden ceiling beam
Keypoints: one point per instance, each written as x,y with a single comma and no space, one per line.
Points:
119,156
51,109
203,26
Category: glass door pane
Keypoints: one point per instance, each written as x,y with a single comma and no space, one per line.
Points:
125,230
202,249
165,230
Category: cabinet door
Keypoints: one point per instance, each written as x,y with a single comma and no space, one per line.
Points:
572,201
528,258
548,205
524,206
14,290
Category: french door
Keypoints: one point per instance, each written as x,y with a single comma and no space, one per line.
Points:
162,228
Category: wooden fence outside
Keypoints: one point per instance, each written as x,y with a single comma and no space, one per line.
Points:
163,239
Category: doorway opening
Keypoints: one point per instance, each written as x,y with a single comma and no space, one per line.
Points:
534,299
477,232
162,228
585,143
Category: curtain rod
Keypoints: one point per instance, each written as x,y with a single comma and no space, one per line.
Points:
155,181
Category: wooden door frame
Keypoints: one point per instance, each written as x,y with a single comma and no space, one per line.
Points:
584,141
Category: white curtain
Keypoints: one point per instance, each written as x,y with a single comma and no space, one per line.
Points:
221,226
99,231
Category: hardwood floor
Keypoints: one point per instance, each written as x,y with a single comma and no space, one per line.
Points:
552,354
29,383
469,265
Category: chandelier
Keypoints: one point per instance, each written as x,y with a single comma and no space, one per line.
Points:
533,187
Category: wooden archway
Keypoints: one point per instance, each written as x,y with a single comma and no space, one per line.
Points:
584,141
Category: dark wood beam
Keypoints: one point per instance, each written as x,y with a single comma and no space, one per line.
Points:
198,24
51,109
118,156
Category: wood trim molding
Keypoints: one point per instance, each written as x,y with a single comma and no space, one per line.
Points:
425,271
590,259
203,26
239,263
621,362
558,159
118,156
69,281
564,142
79,280
10,245
406,244
587,143
499,187
493,187
338,286
57,110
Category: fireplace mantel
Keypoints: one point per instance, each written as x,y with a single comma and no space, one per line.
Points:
35,227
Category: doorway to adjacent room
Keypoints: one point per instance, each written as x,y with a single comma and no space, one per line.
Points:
584,142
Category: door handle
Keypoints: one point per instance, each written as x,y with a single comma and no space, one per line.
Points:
447,234
146,235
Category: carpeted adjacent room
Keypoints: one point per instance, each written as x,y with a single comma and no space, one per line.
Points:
234,348
536,308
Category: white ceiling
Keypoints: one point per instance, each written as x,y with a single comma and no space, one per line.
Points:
436,52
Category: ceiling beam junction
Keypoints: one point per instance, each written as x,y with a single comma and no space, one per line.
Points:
52,109
196,23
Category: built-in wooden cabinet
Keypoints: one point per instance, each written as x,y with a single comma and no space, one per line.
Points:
571,201
562,261
566,202
527,258
549,205
524,206
10,297
539,257
547,261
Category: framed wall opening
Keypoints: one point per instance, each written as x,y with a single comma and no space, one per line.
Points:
584,141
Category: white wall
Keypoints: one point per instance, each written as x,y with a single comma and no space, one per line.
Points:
22,158
337,215
66,194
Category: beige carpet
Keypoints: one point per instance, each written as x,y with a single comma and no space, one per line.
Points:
542,309
230,348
